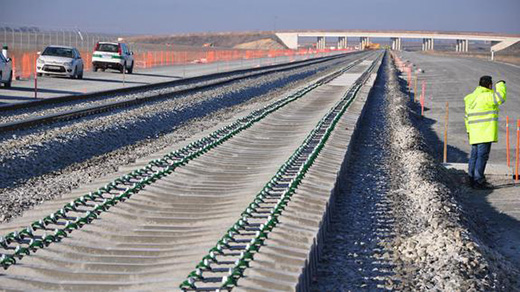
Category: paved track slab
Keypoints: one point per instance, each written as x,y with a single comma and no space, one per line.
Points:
289,258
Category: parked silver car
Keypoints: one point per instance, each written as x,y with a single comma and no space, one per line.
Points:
63,61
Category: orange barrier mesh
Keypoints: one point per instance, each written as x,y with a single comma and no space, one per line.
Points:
26,66
162,58
14,66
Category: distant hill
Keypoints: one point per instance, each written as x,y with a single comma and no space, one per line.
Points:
253,40
262,44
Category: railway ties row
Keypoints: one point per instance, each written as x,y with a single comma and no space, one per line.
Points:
226,262
89,207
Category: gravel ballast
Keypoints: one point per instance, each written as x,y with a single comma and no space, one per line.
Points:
356,255
43,163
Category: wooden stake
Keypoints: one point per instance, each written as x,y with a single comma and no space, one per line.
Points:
422,97
508,158
446,120
124,69
517,149
415,89
36,78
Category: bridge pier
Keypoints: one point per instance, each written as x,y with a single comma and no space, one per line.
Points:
364,42
396,44
462,46
342,42
320,45
427,45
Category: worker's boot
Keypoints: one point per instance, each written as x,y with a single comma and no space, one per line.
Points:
483,186
471,182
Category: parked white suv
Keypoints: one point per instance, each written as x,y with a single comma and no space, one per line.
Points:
6,71
112,55
63,61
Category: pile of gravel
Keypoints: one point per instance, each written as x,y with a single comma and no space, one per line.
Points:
435,249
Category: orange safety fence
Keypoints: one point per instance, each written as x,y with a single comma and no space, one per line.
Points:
87,60
26,66
24,63
14,67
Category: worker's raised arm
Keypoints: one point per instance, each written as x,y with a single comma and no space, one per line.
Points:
499,96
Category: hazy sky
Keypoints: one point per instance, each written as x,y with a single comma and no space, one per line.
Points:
172,16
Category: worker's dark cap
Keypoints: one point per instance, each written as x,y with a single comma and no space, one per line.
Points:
485,81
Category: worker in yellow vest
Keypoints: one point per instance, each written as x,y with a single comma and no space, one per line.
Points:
482,126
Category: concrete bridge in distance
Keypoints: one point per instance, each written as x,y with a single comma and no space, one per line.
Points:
290,38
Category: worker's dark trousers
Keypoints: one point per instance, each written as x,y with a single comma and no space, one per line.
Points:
477,161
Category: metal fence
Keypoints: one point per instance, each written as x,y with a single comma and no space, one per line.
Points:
33,39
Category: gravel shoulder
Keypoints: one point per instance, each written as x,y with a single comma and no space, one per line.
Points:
356,254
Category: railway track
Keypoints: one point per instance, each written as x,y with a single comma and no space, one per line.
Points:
32,117
226,262
172,209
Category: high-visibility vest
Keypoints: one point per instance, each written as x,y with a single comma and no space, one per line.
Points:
482,113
